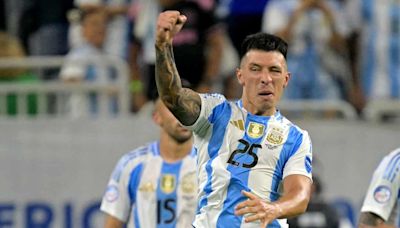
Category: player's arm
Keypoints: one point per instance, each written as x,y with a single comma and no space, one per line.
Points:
184,103
112,222
294,201
371,220
296,195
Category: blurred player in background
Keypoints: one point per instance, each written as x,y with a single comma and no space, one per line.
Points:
155,185
254,165
380,207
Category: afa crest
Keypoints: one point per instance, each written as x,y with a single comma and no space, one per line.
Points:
275,136
255,130
168,182
188,184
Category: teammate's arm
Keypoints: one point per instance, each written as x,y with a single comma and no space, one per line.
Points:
294,201
371,220
184,103
112,222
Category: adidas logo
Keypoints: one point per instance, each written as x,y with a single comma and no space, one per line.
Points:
238,123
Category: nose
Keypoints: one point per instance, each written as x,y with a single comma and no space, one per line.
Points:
266,77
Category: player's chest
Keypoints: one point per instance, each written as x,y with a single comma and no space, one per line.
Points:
250,143
156,182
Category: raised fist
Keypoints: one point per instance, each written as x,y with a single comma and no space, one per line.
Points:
169,23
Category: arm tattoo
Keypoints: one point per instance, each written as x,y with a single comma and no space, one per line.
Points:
368,219
183,103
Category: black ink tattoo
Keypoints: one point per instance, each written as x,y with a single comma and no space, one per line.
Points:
184,103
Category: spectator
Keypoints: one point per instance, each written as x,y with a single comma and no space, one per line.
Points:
377,28
197,50
244,17
76,69
11,47
118,28
44,26
311,27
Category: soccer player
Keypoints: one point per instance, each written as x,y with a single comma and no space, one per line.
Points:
254,165
155,185
380,207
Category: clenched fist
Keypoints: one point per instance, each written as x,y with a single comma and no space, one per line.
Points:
169,23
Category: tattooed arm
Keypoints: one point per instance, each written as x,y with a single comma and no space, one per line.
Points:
371,220
184,103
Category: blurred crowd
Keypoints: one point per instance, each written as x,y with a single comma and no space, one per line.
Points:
339,49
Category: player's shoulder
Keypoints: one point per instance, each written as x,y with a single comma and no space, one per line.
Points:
293,126
140,153
390,161
213,96
129,161
394,154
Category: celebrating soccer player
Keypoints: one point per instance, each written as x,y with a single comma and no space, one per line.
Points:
254,165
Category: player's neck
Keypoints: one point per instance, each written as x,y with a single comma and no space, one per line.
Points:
259,111
172,151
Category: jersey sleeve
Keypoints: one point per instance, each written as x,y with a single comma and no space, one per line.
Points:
118,199
208,115
301,160
383,190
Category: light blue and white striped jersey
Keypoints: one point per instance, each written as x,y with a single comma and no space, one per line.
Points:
145,191
383,197
380,34
240,151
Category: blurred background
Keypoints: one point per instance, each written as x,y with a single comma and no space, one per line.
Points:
77,90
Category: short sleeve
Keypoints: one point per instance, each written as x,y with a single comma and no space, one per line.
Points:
301,160
383,190
208,103
117,200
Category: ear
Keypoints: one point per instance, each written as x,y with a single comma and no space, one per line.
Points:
287,78
239,76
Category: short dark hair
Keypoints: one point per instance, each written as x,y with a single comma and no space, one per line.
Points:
264,42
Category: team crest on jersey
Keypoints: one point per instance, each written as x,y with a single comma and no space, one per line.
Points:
255,130
382,194
168,183
147,187
274,136
189,183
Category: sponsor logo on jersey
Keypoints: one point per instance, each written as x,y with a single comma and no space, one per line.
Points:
189,183
238,123
382,194
168,183
112,193
255,130
147,187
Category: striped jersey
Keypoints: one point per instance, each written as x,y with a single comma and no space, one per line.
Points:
240,151
145,191
380,66
382,197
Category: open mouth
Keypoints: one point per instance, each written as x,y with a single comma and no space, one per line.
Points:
266,94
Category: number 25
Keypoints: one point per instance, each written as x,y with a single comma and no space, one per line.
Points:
248,148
